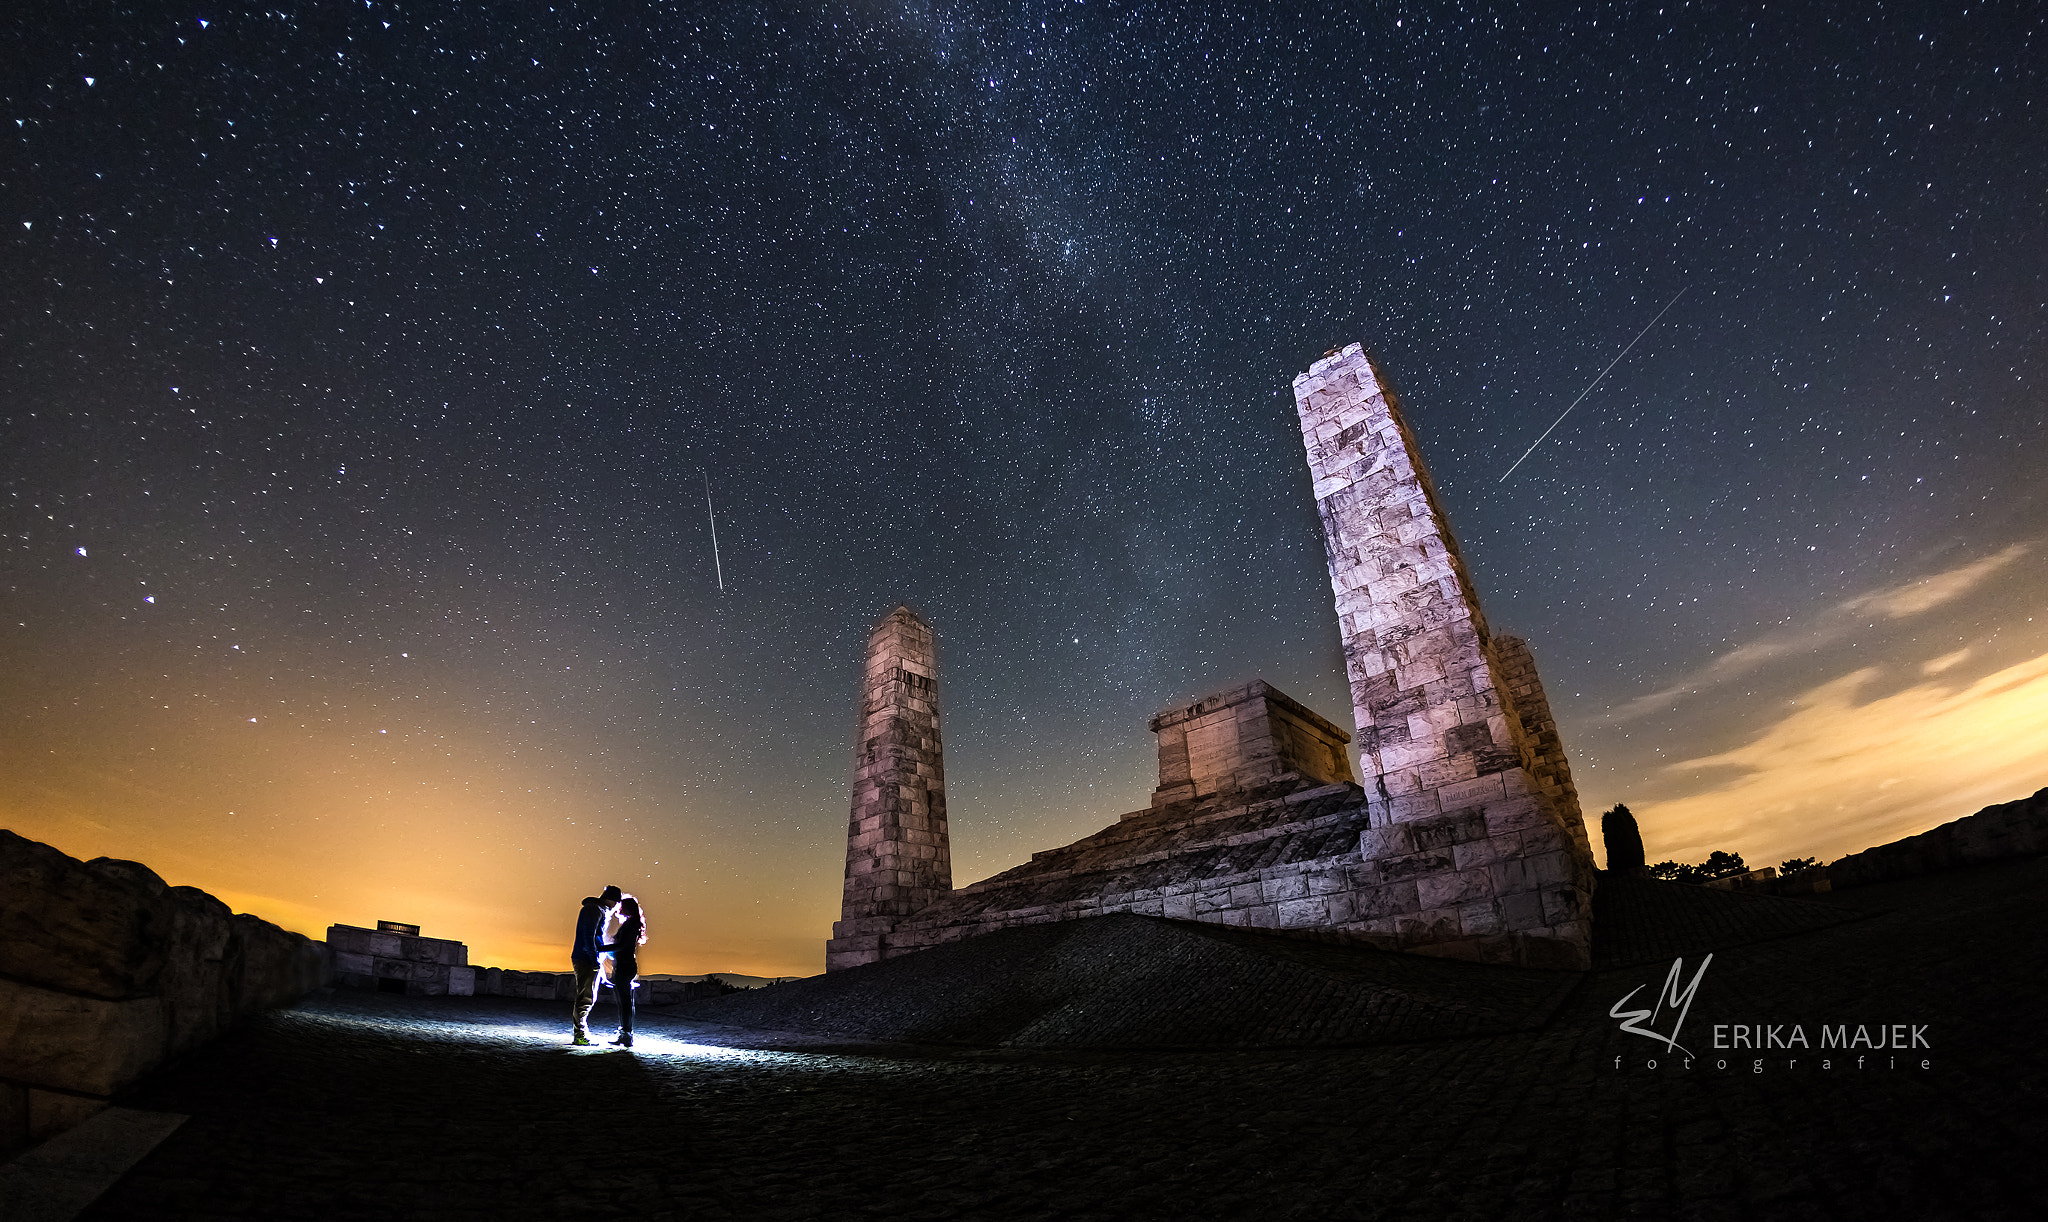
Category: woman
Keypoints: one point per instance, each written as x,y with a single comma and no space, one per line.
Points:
625,952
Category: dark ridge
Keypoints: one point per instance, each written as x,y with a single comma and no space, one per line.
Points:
1641,920
1125,981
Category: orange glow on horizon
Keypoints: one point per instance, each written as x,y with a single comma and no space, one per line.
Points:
1838,775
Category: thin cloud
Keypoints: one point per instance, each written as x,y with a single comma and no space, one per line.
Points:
1836,776
1914,597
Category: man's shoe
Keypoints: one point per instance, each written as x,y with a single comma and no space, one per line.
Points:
625,1039
582,1039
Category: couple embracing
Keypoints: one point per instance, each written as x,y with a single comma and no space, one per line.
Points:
610,924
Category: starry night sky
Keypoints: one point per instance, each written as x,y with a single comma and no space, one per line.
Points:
365,366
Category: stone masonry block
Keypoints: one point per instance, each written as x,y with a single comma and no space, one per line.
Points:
1412,805
348,938
85,1044
1414,865
1452,888
1430,926
1340,907
1476,792
1283,888
1481,917
1564,905
1258,916
1328,881
1552,867
1304,913
1523,911
1458,827
1445,774
1480,853
1512,875
1515,814
1393,840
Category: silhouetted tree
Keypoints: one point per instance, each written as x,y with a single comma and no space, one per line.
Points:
1717,865
1623,838
1721,865
1797,865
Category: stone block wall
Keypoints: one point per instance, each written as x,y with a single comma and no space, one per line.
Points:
1241,739
400,963
1462,805
898,852
1280,853
106,972
1283,855
1548,766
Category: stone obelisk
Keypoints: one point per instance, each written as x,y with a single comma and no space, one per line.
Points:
898,858
1459,805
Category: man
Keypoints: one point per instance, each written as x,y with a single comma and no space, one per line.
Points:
590,927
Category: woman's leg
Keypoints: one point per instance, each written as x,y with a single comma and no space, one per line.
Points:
624,989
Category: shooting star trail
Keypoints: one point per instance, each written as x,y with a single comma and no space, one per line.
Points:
714,532
1590,385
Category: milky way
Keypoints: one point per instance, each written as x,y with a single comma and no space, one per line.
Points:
364,365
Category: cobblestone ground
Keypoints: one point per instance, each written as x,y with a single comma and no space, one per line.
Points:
356,1105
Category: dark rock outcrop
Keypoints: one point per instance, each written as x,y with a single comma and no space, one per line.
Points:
1996,833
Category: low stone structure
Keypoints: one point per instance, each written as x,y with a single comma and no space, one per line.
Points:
1268,838
107,972
400,963
1286,849
1751,880
1242,739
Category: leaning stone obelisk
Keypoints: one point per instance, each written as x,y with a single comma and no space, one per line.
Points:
1465,804
1553,772
898,858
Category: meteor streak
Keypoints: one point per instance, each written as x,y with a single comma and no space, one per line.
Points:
714,533
1590,385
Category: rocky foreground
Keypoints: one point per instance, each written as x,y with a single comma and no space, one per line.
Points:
361,1105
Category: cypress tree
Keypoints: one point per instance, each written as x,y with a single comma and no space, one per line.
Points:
1623,839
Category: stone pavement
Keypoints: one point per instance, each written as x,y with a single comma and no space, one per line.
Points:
361,1105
